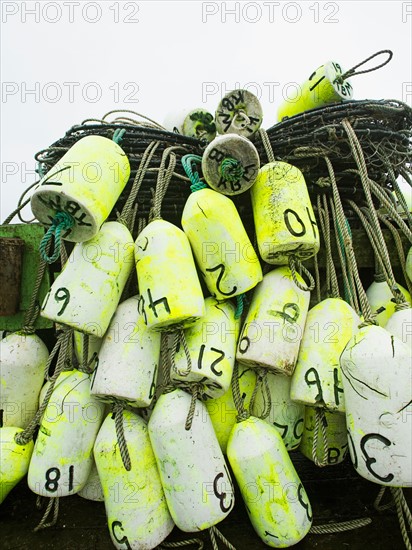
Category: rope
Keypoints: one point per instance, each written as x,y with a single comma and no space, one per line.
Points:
154,123
20,206
231,169
403,513
242,413
118,422
267,145
292,266
61,221
52,505
240,304
352,72
320,422
118,135
331,278
214,532
63,345
182,543
196,184
377,502
263,385
240,114
340,527
195,388
317,278
163,181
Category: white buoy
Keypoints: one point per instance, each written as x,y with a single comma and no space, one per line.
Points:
275,499
62,456
128,358
94,346
221,246
239,112
86,293
336,434
85,183
212,347
136,509
230,164
192,468
222,411
170,292
284,219
275,322
284,414
382,302
400,325
93,488
14,460
196,123
317,379
23,358
376,374
322,88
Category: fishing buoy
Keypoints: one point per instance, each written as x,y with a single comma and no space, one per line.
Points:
23,358
222,411
220,244
85,183
376,374
93,348
408,265
336,435
275,499
62,456
86,293
239,112
323,87
192,468
284,414
170,292
400,325
275,322
284,219
382,302
230,164
212,346
195,123
128,358
317,379
136,509
93,488
14,460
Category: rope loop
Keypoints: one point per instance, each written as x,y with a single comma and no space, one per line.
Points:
352,72
187,161
231,169
118,135
292,265
61,222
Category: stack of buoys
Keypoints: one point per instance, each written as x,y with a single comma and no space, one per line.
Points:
215,358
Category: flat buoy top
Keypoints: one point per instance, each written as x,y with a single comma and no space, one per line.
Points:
239,112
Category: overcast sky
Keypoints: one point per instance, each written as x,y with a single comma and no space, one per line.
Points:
62,62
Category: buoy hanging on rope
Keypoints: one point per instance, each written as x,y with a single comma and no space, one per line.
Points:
239,112
382,301
85,184
195,123
275,499
128,358
136,509
230,164
324,86
400,325
192,468
86,293
23,358
284,219
376,374
222,411
332,451
170,291
283,413
211,343
221,246
14,460
317,379
274,324
62,456
93,488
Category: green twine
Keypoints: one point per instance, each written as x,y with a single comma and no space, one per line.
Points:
348,291
62,221
118,135
196,184
231,169
240,299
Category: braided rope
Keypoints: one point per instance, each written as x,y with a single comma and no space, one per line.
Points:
403,512
242,413
195,390
267,145
240,304
163,180
181,543
213,533
231,169
187,161
53,504
118,422
292,266
61,222
331,528
320,422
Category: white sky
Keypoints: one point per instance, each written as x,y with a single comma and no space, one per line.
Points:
83,59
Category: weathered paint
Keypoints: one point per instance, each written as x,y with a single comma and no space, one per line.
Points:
14,460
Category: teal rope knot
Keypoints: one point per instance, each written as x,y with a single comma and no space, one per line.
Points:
231,169
61,222
118,135
196,184
240,299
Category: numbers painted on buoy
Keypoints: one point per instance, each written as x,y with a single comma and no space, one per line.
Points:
52,479
221,495
116,535
304,503
221,356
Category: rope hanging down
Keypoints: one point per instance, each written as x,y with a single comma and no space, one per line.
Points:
193,175
61,222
